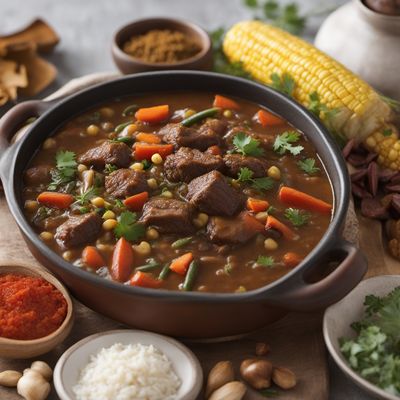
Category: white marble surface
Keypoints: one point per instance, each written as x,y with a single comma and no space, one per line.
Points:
86,28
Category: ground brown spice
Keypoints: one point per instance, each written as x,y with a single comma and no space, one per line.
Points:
161,46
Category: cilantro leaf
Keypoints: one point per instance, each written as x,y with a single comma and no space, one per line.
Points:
296,216
128,228
265,261
245,175
308,166
283,83
320,110
110,168
65,171
284,142
387,132
85,197
247,146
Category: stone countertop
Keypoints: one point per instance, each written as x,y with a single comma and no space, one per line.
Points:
86,29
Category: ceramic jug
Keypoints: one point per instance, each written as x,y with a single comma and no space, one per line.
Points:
366,42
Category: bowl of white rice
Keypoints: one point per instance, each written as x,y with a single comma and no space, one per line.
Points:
128,365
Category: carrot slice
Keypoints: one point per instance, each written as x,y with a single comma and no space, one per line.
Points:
273,223
148,138
153,115
136,202
122,261
292,259
266,118
257,205
144,279
225,102
214,150
181,264
145,151
55,200
295,198
92,257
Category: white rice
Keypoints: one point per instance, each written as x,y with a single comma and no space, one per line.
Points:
128,372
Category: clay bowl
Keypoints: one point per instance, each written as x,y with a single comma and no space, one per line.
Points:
129,65
11,348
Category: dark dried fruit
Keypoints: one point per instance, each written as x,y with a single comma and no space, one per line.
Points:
385,175
356,160
395,178
373,178
262,349
358,175
348,148
359,192
371,157
392,188
395,203
372,208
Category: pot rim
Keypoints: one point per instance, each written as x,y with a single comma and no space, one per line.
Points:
331,237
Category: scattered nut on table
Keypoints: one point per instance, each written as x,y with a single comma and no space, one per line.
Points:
284,378
9,378
220,374
256,372
262,349
230,391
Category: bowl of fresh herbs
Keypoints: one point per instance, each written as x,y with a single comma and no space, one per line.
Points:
362,333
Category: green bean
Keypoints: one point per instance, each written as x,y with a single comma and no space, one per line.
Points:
130,110
164,272
181,242
190,276
148,267
121,127
210,112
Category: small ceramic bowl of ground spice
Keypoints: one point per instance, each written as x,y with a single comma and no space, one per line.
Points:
153,44
35,312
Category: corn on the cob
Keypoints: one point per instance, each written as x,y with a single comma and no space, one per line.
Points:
361,114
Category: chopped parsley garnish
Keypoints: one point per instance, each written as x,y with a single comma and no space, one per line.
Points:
65,171
284,142
296,216
110,168
271,209
265,261
283,83
146,164
119,203
85,197
308,166
374,353
245,175
387,132
318,108
128,227
247,146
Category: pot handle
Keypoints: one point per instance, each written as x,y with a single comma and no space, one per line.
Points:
13,119
300,295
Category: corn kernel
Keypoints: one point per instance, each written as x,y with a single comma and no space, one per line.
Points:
152,183
201,220
227,114
98,202
31,205
105,247
46,236
371,142
167,194
49,143
274,173
240,289
189,113
156,159
143,248
152,234
107,112
393,154
82,167
270,244
137,166
109,215
67,255
109,224
92,130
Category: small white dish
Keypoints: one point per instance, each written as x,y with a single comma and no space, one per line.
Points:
339,317
184,362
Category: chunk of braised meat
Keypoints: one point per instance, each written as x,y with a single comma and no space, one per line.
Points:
238,230
168,215
234,162
108,152
78,230
187,164
37,175
208,134
213,125
266,139
125,182
212,194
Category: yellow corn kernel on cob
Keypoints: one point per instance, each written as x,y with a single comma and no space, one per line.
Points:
361,112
